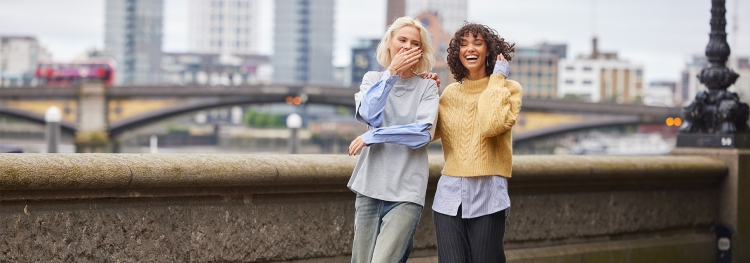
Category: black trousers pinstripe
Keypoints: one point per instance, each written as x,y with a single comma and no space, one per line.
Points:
473,240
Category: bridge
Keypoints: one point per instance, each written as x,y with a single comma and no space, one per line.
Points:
296,208
115,110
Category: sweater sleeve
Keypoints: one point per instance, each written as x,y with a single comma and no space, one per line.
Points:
498,106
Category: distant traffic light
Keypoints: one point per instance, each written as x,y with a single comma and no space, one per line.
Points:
294,100
677,121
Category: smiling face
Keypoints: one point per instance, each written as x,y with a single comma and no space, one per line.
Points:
473,55
407,37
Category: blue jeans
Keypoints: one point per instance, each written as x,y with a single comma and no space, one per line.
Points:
383,231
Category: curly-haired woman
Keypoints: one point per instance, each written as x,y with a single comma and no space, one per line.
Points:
475,118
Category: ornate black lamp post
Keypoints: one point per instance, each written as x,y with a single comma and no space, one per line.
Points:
716,118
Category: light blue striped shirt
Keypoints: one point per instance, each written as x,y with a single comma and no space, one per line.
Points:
477,196
370,110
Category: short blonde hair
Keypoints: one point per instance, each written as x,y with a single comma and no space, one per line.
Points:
428,54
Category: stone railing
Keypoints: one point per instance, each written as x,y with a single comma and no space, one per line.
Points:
244,208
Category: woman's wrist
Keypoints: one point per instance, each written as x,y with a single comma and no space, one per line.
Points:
393,71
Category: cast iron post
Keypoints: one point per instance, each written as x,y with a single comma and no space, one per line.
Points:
716,118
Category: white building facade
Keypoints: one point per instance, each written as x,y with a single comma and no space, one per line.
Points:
223,26
303,37
19,57
452,13
600,79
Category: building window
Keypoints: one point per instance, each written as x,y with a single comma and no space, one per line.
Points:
586,68
570,68
586,82
569,81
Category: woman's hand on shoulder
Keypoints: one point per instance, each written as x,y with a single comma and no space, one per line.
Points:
430,75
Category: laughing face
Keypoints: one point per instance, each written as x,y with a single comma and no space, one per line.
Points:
473,55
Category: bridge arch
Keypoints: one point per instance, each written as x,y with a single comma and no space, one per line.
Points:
578,126
66,126
119,127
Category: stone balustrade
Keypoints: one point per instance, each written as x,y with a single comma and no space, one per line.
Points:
268,208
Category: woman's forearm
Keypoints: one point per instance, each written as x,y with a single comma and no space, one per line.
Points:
413,135
370,106
499,104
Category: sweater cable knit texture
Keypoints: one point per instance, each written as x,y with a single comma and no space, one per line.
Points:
475,118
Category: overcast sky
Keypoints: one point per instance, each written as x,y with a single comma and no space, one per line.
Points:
660,34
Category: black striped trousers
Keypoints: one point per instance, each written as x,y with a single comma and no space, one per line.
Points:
473,240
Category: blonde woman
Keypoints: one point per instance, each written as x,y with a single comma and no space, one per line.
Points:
390,178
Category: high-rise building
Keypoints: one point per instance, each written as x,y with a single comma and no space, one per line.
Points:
303,53
536,69
600,77
19,57
394,9
440,42
133,39
223,26
452,13
364,59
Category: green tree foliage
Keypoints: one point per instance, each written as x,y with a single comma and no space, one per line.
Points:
257,119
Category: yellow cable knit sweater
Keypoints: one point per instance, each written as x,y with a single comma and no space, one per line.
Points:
475,120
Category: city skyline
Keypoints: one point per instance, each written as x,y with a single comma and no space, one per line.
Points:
218,27
661,41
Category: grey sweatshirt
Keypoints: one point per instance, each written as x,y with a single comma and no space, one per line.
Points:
393,172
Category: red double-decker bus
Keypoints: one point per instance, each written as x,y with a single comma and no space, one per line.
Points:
69,74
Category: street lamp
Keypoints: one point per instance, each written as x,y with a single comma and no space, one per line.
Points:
293,122
52,118
717,117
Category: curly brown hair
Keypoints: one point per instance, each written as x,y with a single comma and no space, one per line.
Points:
495,45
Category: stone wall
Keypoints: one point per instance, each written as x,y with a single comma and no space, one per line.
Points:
266,208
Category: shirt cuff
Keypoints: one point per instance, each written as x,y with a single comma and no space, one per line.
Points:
368,137
387,77
502,68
